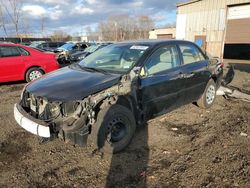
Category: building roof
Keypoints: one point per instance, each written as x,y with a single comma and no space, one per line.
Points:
186,3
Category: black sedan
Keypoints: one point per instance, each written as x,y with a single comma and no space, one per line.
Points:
103,98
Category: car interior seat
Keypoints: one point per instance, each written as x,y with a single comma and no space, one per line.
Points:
190,56
129,58
163,62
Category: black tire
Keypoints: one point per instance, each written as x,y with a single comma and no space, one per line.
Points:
28,76
206,101
118,119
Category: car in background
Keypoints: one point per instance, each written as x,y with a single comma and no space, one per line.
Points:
102,99
35,44
67,49
25,43
78,56
72,47
18,62
49,46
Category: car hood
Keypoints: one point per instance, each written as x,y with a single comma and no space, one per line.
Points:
71,83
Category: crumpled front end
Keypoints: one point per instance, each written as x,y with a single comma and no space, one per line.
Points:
69,120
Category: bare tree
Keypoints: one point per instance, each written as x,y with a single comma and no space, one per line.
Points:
25,27
60,35
145,25
42,24
2,21
92,34
13,10
125,27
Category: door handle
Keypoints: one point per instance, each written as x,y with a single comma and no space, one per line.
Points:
189,75
186,75
181,75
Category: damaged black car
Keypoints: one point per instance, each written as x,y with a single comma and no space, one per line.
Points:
101,100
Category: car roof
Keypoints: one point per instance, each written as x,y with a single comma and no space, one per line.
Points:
152,42
11,44
20,45
52,42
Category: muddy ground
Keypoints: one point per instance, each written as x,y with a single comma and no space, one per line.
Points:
189,147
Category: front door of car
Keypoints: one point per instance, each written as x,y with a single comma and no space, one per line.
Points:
194,70
11,63
160,86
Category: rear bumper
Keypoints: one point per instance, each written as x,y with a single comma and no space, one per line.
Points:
31,124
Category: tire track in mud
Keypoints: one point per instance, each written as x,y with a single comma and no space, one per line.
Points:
12,149
5,89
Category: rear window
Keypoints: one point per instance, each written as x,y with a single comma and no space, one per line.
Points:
23,51
9,51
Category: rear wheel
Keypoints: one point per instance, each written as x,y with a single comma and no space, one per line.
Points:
33,73
114,128
208,97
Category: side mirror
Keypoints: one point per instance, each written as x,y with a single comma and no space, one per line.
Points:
136,70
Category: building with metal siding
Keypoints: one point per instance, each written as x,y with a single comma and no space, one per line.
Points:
223,26
164,33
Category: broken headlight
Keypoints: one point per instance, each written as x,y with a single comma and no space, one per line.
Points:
54,110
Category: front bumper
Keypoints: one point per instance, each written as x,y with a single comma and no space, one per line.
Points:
43,129
31,124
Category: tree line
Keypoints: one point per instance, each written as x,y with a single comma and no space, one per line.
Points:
118,28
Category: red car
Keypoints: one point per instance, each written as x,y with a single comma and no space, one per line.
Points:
18,62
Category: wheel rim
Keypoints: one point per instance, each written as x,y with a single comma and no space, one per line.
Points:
116,130
34,75
210,95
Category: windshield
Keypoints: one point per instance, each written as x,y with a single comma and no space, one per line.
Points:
35,44
115,58
91,49
67,46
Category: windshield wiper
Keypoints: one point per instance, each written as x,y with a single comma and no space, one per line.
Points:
92,69
76,64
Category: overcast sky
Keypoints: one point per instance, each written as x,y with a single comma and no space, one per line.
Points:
74,16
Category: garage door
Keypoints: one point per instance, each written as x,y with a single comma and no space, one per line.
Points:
164,36
238,24
237,41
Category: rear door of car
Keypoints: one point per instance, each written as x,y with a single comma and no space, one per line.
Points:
161,88
11,63
194,70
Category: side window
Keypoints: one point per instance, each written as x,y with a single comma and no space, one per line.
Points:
191,54
9,51
43,45
23,51
162,59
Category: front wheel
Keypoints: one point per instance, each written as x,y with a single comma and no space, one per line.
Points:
208,97
114,128
33,73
